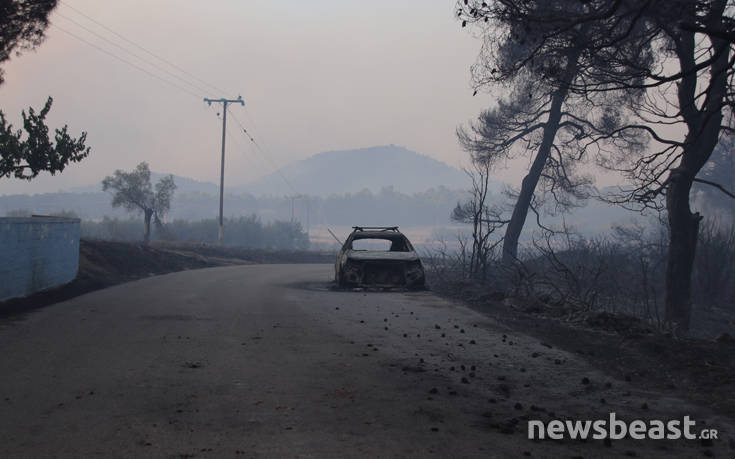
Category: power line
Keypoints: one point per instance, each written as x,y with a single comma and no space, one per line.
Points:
243,147
248,152
258,147
172,65
264,154
153,64
296,194
126,61
142,48
268,156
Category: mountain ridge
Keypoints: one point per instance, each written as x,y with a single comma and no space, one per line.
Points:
336,172
350,171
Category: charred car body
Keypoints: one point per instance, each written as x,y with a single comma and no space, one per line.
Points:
378,256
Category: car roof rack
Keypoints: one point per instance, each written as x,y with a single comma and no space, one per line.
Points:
375,228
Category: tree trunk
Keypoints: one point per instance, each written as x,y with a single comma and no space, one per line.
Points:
683,224
703,133
148,213
528,186
683,229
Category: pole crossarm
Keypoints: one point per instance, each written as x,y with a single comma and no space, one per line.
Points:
225,101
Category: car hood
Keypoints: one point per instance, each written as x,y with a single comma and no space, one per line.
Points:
374,255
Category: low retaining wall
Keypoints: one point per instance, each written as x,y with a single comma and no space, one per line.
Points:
37,253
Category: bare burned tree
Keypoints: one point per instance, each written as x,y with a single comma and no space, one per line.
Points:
485,220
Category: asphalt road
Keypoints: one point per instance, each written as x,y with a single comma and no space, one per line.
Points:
267,361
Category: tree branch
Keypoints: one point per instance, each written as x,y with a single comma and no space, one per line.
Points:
716,185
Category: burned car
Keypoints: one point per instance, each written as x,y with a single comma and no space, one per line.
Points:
378,256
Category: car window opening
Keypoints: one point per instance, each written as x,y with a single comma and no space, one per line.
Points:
380,245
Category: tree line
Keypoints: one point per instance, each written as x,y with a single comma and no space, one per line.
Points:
425,208
135,193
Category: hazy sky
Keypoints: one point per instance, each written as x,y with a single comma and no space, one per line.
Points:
316,76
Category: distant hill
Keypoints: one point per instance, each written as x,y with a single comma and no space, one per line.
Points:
351,171
338,172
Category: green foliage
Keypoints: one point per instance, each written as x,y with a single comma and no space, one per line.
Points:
163,195
22,26
133,191
22,23
243,231
26,158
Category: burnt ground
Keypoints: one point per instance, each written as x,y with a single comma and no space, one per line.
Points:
699,370
106,263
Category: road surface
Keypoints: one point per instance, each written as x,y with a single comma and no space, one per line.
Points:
267,361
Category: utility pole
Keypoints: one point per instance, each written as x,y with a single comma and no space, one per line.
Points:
224,103
294,198
308,209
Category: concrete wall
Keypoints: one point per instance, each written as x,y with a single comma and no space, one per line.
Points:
37,253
